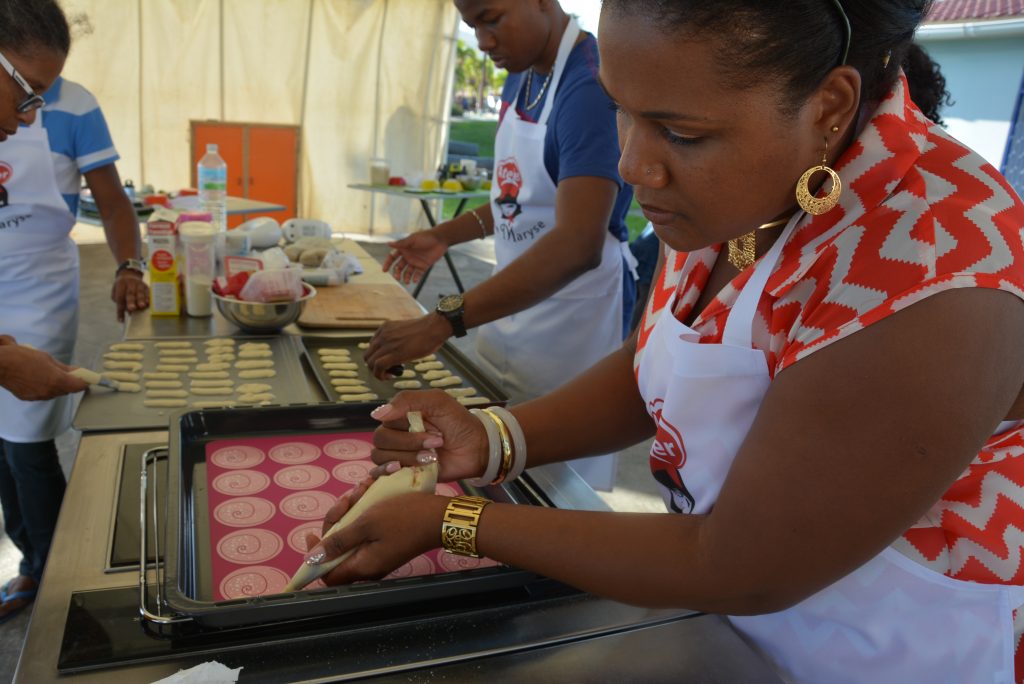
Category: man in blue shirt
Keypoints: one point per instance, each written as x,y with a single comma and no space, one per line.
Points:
560,298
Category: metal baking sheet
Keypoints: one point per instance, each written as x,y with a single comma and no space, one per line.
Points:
103,409
188,580
450,357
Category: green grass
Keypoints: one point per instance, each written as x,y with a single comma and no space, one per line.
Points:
482,134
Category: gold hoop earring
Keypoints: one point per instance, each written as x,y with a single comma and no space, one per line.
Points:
816,206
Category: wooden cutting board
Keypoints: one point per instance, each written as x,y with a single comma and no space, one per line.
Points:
359,305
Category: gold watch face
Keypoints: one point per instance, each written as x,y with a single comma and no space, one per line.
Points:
449,303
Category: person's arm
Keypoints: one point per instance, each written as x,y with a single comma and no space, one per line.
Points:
850,447
411,256
121,226
32,375
474,224
573,246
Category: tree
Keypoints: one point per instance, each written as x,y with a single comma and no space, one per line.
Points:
475,73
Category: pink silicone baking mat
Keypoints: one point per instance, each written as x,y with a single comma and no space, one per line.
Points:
266,493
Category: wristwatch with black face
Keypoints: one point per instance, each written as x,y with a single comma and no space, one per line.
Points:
451,307
133,264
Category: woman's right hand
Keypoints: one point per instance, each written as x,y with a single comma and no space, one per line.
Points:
454,434
410,257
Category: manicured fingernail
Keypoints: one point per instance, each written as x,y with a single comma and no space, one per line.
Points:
426,457
381,412
433,442
316,556
392,467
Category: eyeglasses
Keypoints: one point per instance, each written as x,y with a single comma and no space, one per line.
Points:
32,101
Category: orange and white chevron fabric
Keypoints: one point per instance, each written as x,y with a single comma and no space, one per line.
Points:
920,214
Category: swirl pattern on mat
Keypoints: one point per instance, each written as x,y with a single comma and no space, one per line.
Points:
452,563
235,457
294,453
255,581
301,477
248,547
241,482
311,505
244,511
352,472
297,537
348,449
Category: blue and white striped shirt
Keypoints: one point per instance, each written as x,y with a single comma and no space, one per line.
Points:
79,138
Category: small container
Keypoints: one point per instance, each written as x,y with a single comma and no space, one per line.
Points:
198,240
297,228
380,171
164,265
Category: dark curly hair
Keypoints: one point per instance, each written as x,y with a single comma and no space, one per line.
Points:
27,25
797,42
927,84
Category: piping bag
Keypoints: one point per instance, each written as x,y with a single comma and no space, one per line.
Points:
404,481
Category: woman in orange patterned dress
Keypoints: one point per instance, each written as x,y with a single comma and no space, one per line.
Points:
829,364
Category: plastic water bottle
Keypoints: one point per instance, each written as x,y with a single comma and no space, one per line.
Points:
212,177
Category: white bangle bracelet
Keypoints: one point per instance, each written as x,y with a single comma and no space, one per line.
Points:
494,451
518,440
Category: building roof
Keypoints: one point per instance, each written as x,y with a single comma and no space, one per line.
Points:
974,10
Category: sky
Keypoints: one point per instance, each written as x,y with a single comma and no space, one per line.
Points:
588,11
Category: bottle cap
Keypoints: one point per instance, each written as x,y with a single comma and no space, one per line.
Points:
211,147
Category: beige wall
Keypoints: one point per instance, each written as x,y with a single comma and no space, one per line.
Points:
363,78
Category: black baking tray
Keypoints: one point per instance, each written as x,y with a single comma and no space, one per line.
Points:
186,581
452,358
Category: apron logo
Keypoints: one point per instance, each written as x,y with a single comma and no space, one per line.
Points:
510,181
5,175
668,456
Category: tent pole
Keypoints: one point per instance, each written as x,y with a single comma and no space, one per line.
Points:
299,204
220,10
142,100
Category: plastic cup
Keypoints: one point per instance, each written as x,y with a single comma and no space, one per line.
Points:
199,242
380,172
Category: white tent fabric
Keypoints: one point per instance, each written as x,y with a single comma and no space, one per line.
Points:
363,79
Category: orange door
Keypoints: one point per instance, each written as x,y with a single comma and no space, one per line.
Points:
273,168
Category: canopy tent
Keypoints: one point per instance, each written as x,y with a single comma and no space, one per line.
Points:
362,78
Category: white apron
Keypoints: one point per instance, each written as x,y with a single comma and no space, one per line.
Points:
891,620
534,351
38,276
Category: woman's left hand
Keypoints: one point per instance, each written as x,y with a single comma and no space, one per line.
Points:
384,537
130,292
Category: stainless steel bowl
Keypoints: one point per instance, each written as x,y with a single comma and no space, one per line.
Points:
469,182
259,317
